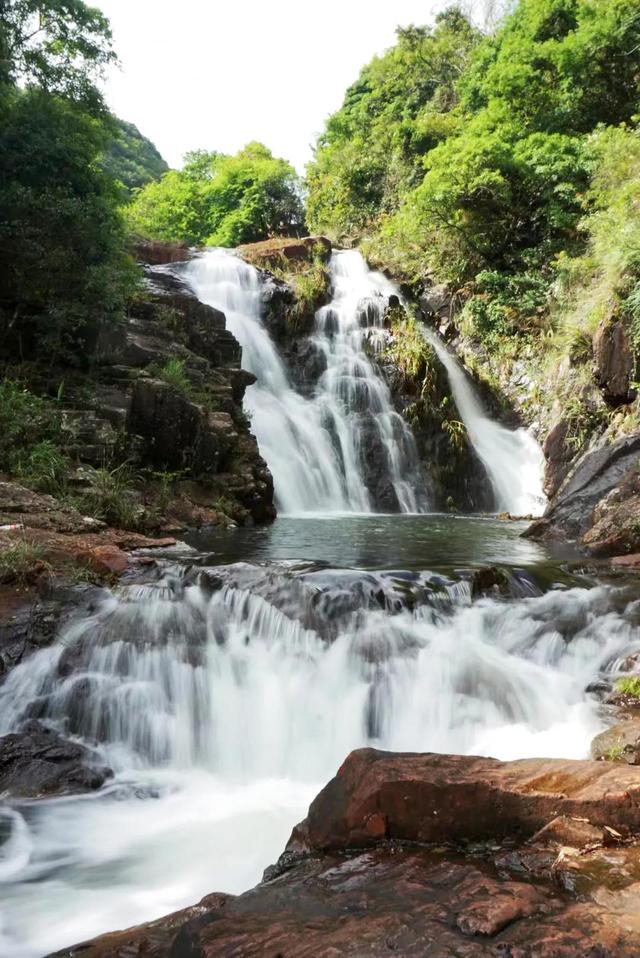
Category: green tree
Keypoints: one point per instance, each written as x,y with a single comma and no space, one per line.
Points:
59,45
372,150
62,240
61,236
221,200
131,158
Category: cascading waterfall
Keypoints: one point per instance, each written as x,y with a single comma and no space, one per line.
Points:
224,700
513,459
316,448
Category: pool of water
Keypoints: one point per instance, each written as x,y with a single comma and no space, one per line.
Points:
437,542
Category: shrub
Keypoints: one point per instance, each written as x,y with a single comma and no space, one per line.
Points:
20,562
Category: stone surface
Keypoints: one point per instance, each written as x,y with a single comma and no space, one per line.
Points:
570,513
558,457
614,363
155,253
616,520
35,762
552,890
289,248
435,798
22,506
620,743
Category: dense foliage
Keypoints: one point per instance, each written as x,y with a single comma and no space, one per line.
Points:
131,158
221,200
61,234
497,151
371,152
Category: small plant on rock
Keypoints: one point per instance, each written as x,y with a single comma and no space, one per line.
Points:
21,562
630,685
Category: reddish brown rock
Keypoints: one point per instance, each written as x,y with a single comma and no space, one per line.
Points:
156,254
511,900
106,559
558,454
288,248
616,522
435,798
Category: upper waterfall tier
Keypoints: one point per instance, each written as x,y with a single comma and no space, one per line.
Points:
345,448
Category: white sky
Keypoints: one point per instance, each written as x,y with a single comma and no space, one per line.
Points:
215,74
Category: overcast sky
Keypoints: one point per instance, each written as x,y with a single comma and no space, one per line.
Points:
215,74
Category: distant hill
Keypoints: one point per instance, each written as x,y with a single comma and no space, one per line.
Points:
133,159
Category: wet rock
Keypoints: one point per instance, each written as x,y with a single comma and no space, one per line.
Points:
489,581
558,455
435,798
614,363
36,761
570,513
621,743
616,522
564,830
390,900
107,559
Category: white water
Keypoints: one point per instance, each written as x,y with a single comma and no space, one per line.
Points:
223,715
512,458
314,446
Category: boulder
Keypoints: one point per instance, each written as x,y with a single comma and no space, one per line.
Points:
289,248
155,253
345,889
614,362
448,798
558,456
616,521
24,507
37,762
619,743
570,513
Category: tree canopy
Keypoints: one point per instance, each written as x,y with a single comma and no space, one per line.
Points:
221,200
131,158
62,241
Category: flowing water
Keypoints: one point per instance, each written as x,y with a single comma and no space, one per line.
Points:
226,688
225,695
316,448
512,458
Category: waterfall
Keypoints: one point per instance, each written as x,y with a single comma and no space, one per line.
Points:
513,459
324,450
225,699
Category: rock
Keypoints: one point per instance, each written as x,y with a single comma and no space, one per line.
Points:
616,521
435,798
23,507
290,248
106,559
37,762
413,901
155,253
614,362
570,513
558,456
620,743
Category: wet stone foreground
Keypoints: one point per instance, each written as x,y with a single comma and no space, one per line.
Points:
543,862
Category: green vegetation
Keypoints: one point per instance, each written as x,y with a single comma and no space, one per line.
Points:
21,562
174,373
308,278
131,159
62,240
629,685
109,496
30,437
507,166
220,200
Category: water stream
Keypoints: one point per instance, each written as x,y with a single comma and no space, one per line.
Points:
224,696
512,458
319,449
